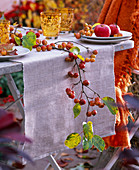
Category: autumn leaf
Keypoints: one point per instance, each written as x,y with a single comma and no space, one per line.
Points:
87,143
80,57
17,40
98,142
73,140
110,103
75,50
77,110
29,40
88,130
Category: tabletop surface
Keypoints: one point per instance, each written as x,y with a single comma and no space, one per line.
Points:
7,67
49,117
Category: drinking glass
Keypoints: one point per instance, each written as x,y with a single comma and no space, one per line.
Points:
50,23
67,17
4,31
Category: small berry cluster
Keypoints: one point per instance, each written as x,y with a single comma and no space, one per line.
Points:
43,45
84,83
87,30
97,101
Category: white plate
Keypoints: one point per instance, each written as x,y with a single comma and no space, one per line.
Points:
99,41
21,51
126,34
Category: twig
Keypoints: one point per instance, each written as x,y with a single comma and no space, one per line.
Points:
13,102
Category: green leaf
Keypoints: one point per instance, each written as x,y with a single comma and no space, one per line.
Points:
110,103
77,110
75,50
80,57
17,40
88,130
29,40
86,144
73,140
98,142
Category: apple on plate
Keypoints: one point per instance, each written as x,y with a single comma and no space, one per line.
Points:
115,29
102,30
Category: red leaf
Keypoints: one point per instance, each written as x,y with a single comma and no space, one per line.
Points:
14,127
17,137
6,120
11,53
62,163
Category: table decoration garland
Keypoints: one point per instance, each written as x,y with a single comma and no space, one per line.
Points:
89,140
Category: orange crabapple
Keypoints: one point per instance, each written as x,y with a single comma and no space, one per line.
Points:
60,46
68,59
92,56
52,44
3,52
76,100
49,47
44,42
12,35
69,46
38,41
87,59
97,100
38,48
92,60
40,31
92,103
64,44
101,105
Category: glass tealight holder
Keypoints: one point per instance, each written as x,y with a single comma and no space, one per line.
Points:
4,31
67,17
50,23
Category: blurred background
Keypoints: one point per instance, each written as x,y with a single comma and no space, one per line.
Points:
26,12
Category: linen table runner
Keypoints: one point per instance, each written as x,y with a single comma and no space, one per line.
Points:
49,117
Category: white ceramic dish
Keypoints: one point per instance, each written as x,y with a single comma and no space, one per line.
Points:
126,34
99,41
21,51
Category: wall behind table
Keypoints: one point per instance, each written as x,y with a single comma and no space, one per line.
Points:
6,5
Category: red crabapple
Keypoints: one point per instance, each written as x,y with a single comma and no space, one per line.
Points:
43,47
49,47
86,82
94,112
82,102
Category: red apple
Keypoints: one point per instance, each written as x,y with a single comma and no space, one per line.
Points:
115,29
102,30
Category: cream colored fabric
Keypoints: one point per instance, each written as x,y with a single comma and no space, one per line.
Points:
49,117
